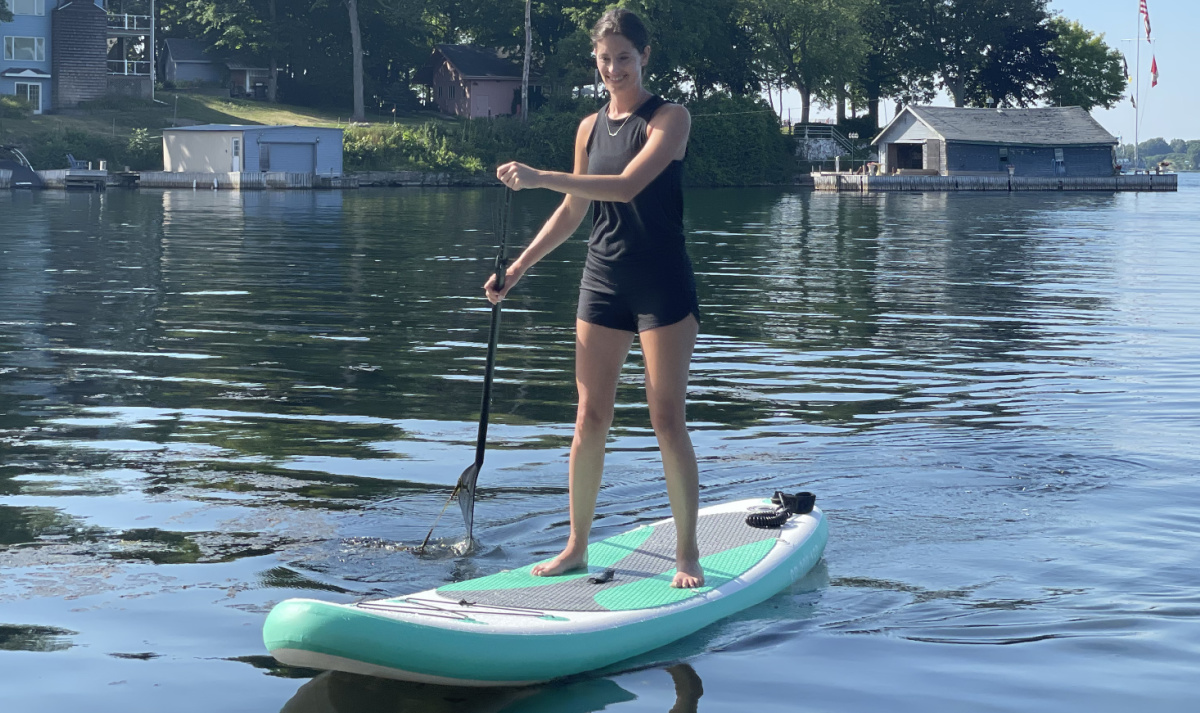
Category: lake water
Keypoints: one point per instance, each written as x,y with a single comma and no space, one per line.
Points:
212,401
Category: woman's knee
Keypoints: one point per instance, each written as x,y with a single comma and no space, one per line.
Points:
668,419
592,417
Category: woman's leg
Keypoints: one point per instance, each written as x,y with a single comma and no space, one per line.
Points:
668,354
599,354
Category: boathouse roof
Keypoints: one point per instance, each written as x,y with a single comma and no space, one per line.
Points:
1042,126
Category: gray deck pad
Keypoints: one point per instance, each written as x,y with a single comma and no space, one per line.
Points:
643,561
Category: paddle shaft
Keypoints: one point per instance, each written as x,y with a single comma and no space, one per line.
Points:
489,370
501,273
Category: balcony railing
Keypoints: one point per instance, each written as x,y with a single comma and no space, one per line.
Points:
129,23
129,67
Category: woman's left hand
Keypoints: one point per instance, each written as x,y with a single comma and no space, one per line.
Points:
518,176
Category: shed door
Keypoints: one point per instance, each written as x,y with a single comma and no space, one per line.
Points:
293,158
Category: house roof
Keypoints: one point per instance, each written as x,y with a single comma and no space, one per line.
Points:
25,72
198,51
185,50
1042,126
245,127
471,61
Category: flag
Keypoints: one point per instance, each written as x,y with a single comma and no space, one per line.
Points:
1145,12
1153,71
1133,101
1125,66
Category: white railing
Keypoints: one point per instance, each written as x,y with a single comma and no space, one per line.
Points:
131,23
138,68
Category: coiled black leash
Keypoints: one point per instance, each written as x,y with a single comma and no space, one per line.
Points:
785,506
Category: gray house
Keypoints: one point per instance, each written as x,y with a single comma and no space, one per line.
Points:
186,61
236,148
954,141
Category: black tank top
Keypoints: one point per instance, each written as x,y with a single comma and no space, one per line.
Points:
641,239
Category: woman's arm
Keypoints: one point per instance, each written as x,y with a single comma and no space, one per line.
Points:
561,225
667,142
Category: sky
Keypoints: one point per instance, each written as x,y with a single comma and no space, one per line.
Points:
1170,110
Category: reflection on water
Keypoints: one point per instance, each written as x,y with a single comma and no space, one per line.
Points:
336,692
214,400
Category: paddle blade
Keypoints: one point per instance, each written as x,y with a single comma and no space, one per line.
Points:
466,496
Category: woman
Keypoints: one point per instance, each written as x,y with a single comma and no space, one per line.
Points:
637,280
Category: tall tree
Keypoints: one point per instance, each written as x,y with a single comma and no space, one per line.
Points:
898,63
846,34
246,27
1090,73
988,49
808,42
356,48
700,44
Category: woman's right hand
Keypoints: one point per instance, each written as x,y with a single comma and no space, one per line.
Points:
511,277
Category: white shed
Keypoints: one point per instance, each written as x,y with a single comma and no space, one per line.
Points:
237,148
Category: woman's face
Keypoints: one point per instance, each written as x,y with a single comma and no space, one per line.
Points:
620,63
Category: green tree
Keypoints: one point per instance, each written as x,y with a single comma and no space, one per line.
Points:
897,64
1154,147
251,28
845,67
987,49
1090,73
700,44
808,42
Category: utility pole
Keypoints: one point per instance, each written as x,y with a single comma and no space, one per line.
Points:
153,71
525,73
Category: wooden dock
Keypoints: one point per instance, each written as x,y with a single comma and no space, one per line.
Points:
243,181
865,184
74,179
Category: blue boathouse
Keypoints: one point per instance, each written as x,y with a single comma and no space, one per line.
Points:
954,141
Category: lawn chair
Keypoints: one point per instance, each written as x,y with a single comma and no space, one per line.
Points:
75,163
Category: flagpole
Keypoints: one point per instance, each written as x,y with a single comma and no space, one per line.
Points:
1137,91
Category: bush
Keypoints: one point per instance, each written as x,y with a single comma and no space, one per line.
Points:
48,150
734,142
12,107
143,152
423,148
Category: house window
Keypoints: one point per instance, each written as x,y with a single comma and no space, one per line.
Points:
29,49
1003,154
28,7
31,93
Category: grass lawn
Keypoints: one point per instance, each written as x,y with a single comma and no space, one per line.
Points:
116,117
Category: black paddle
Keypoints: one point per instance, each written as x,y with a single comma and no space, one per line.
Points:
465,487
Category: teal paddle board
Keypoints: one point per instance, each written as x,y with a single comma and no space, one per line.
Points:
514,629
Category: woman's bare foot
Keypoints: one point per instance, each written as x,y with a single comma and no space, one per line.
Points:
569,560
688,572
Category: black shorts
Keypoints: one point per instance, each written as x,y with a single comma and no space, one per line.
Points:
639,309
